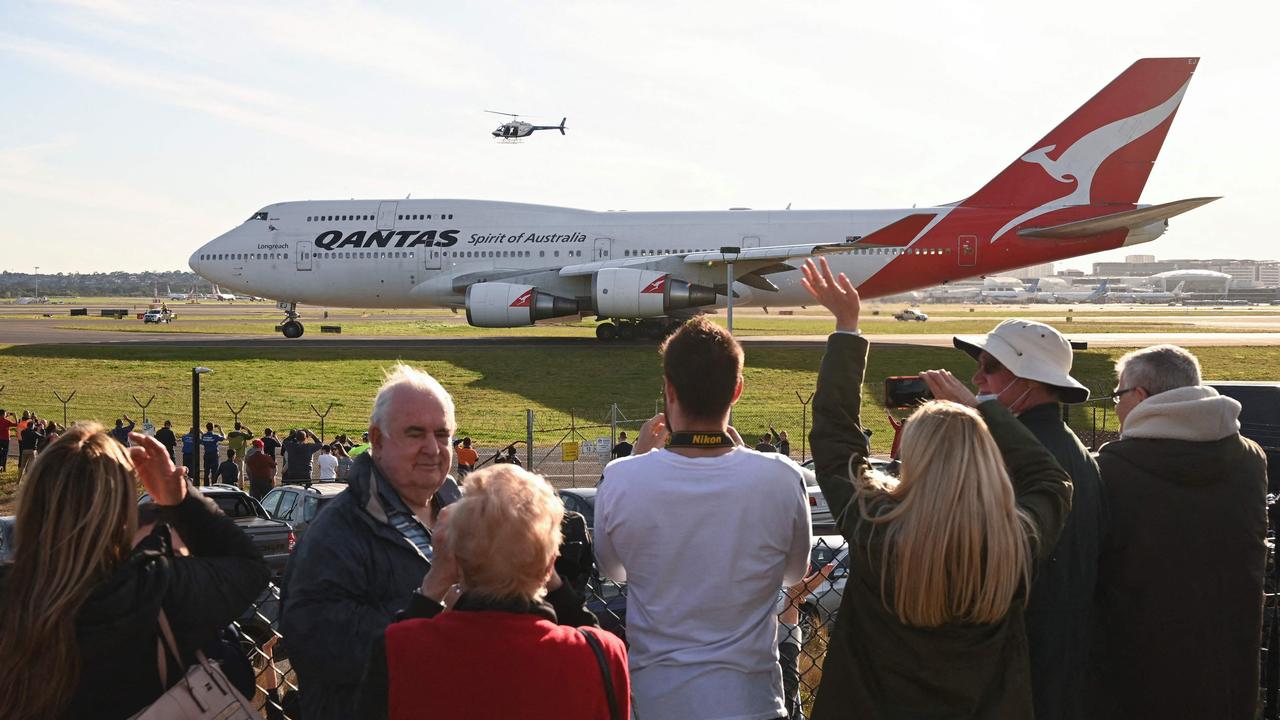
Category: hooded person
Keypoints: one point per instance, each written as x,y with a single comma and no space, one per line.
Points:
1180,584
1026,366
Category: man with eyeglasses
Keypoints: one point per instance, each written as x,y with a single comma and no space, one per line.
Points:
1026,366
1180,584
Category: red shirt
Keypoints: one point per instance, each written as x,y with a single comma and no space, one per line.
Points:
500,665
5,425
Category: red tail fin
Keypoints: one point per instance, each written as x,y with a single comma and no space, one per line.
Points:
1104,152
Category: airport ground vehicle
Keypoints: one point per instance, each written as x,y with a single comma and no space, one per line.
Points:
273,538
298,503
157,316
909,314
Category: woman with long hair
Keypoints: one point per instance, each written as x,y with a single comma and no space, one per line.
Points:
79,604
941,557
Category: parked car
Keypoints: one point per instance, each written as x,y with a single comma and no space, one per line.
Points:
298,503
157,316
820,607
273,538
581,500
608,600
819,511
1259,419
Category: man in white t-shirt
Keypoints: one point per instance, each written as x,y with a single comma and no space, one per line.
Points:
326,464
704,532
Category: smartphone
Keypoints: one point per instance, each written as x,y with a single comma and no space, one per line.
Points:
904,391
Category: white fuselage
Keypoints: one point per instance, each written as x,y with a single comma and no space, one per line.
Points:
297,253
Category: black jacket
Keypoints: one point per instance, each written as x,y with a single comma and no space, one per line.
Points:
1059,614
1180,583
117,626
876,666
344,584
166,438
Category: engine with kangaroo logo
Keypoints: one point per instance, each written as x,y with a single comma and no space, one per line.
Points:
631,293
496,304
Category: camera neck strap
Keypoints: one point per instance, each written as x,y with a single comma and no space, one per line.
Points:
701,440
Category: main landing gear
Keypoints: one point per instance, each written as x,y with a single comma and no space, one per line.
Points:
291,327
649,329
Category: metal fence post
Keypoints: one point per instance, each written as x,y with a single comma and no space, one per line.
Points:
528,436
65,402
613,425
804,422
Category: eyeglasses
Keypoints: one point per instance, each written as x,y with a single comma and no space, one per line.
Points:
1115,396
989,365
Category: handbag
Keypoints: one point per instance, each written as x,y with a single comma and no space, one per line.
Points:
610,695
204,693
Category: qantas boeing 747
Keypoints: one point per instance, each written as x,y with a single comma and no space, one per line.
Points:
1072,193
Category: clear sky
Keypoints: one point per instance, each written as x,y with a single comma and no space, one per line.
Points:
131,133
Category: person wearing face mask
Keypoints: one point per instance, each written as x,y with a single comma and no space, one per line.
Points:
1026,367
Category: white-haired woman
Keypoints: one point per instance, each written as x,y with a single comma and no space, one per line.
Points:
941,558
517,641
79,606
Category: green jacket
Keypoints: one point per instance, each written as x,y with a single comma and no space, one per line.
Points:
877,667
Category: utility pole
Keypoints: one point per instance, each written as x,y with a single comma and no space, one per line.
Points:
730,253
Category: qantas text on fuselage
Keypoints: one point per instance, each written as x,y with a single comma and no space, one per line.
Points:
1075,192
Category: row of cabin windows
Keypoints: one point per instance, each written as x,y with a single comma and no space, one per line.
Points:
245,256
355,255
345,218
861,251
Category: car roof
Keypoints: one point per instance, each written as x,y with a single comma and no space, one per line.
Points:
586,492
325,489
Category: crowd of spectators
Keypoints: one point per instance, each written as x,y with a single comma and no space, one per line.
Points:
1004,572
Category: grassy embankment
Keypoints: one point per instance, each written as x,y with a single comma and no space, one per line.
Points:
492,386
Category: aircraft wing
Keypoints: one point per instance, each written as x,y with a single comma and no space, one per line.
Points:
1129,219
750,260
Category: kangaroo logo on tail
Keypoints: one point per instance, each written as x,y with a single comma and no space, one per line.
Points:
1080,161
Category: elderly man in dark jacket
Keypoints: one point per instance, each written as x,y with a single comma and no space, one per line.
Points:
1181,582
367,552
1026,366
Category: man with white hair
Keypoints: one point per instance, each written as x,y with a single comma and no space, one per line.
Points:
1026,367
364,556
1180,585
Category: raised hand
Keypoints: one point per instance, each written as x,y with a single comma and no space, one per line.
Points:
945,386
836,294
166,484
653,434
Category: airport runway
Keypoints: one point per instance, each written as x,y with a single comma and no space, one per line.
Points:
45,332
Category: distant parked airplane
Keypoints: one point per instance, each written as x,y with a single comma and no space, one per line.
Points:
1074,192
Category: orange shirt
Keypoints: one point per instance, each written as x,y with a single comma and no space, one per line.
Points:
467,456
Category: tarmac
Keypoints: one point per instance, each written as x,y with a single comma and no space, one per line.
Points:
26,325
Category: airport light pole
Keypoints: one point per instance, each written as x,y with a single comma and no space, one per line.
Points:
730,253
37,283
196,372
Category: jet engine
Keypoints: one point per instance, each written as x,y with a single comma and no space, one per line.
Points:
495,304
631,293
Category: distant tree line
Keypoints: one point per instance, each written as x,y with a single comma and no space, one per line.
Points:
117,284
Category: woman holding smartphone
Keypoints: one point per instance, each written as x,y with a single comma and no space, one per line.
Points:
941,557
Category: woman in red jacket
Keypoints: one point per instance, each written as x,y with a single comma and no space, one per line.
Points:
512,644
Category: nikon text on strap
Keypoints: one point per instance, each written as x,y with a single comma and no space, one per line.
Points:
700,440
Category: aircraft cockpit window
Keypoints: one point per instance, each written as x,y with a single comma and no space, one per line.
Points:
259,215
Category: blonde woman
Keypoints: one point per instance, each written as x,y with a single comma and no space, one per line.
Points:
79,605
931,622
512,644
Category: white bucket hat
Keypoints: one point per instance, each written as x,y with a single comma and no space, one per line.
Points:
1030,350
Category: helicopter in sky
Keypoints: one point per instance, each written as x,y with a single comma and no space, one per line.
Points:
515,129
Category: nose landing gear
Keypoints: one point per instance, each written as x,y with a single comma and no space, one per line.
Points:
291,327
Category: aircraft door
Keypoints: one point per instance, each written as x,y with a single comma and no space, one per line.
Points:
967,250
304,255
387,216
603,248
750,241
431,257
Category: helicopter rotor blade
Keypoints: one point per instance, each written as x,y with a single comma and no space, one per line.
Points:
495,112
